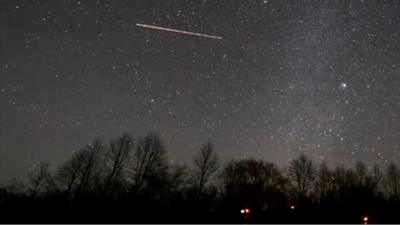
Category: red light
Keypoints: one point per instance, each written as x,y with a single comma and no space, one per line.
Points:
365,219
292,207
245,211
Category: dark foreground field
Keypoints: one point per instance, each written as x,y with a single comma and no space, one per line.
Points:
57,209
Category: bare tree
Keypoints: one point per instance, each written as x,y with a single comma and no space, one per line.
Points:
68,174
376,178
366,180
90,159
345,181
205,166
273,178
302,172
253,173
324,181
116,160
392,180
361,173
41,180
254,182
178,178
148,160
81,173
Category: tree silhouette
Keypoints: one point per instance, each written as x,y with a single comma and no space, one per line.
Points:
178,178
302,173
116,161
129,183
360,173
80,174
323,182
253,183
148,161
205,166
377,177
392,181
41,180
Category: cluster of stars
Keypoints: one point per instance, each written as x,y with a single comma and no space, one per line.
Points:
318,77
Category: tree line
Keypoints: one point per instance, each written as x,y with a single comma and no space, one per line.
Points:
130,180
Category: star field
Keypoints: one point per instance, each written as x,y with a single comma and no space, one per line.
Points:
319,77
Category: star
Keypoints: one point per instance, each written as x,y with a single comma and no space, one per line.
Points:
342,86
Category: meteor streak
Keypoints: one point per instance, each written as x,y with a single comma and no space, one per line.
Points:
177,31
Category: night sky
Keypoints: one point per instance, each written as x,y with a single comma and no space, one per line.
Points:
315,76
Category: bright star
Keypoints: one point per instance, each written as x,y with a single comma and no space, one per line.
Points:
342,86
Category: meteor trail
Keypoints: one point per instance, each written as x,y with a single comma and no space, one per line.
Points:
177,31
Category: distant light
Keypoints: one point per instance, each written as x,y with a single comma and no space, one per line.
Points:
292,207
245,211
365,219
